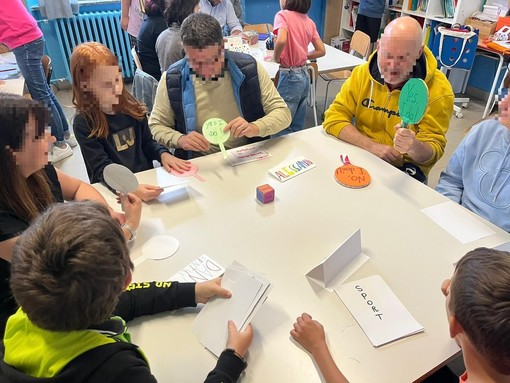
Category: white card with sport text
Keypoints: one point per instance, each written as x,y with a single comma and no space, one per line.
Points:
378,311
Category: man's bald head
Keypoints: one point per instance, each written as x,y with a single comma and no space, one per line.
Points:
399,47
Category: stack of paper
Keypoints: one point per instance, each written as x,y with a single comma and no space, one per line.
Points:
377,310
249,291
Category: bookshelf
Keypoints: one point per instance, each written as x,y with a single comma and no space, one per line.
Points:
425,11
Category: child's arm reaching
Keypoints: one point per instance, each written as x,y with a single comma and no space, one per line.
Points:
310,334
281,41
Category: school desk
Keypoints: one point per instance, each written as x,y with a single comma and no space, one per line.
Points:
333,60
16,85
310,217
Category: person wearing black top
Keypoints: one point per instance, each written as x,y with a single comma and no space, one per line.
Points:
152,26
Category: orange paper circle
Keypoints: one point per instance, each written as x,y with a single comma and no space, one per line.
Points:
352,176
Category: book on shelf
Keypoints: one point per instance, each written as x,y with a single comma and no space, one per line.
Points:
449,8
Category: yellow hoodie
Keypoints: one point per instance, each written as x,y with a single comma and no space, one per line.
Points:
367,99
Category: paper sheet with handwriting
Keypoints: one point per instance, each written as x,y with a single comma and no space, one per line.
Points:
378,311
458,222
201,269
247,153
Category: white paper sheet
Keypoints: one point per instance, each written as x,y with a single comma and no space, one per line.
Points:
201,269
378,311
248,293
458,222
340,265
248,153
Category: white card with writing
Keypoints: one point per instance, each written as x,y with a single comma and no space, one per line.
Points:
457,221
340,265
201,269
291,169
378,311
248,153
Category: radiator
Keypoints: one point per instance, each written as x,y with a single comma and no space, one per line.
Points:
103,27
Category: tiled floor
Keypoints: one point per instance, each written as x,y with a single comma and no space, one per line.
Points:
74,165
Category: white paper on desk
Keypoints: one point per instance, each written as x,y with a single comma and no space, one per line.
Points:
378,311
202,269
248,153
167,180
458,222
291,169
210,325
340,265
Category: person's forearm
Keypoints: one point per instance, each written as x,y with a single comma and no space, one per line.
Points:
88,192
421,152
125,4
278,49
327,365
351,135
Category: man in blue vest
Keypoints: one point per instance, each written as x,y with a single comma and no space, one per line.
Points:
213,83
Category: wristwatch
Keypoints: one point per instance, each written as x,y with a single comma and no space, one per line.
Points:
131,231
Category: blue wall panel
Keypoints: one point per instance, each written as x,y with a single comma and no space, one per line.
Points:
263,11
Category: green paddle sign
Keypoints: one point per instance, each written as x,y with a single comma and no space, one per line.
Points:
413,101
213,132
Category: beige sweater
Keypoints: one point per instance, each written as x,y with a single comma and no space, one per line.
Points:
215,99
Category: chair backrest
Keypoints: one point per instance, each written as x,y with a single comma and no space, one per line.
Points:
47,67
360,44
259,28
136,58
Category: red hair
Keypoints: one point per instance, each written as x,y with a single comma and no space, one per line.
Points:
85,58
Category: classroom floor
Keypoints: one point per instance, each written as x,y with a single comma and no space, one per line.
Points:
74,165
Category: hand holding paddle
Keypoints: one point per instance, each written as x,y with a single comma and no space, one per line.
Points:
351,176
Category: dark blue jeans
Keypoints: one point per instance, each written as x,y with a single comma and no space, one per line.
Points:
29,57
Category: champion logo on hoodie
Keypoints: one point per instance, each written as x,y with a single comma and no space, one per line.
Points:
369,103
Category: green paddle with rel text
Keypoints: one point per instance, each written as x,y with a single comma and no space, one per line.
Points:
413,101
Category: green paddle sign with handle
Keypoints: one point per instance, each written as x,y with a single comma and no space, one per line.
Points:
413,101
213,132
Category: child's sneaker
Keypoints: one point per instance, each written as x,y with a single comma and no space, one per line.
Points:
71,140
58,154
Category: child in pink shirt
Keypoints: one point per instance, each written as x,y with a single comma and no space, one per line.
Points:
295,31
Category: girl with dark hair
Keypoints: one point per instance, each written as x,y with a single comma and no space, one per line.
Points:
111,125
28,184
168,45
152,26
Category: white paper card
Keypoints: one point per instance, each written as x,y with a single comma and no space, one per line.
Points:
503,247
378,311
248,153
201,269
340,265
291,169
458,222
248,293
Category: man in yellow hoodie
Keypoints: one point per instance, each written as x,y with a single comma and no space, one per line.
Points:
365,112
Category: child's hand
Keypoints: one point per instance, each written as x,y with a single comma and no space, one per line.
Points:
206,290
239,341
132,208
148,192
170,162
239,127
308,333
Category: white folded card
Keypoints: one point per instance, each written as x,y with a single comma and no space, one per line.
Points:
201,269
340,265
458,222
377,310
290,169
248,153
503,247
249,290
